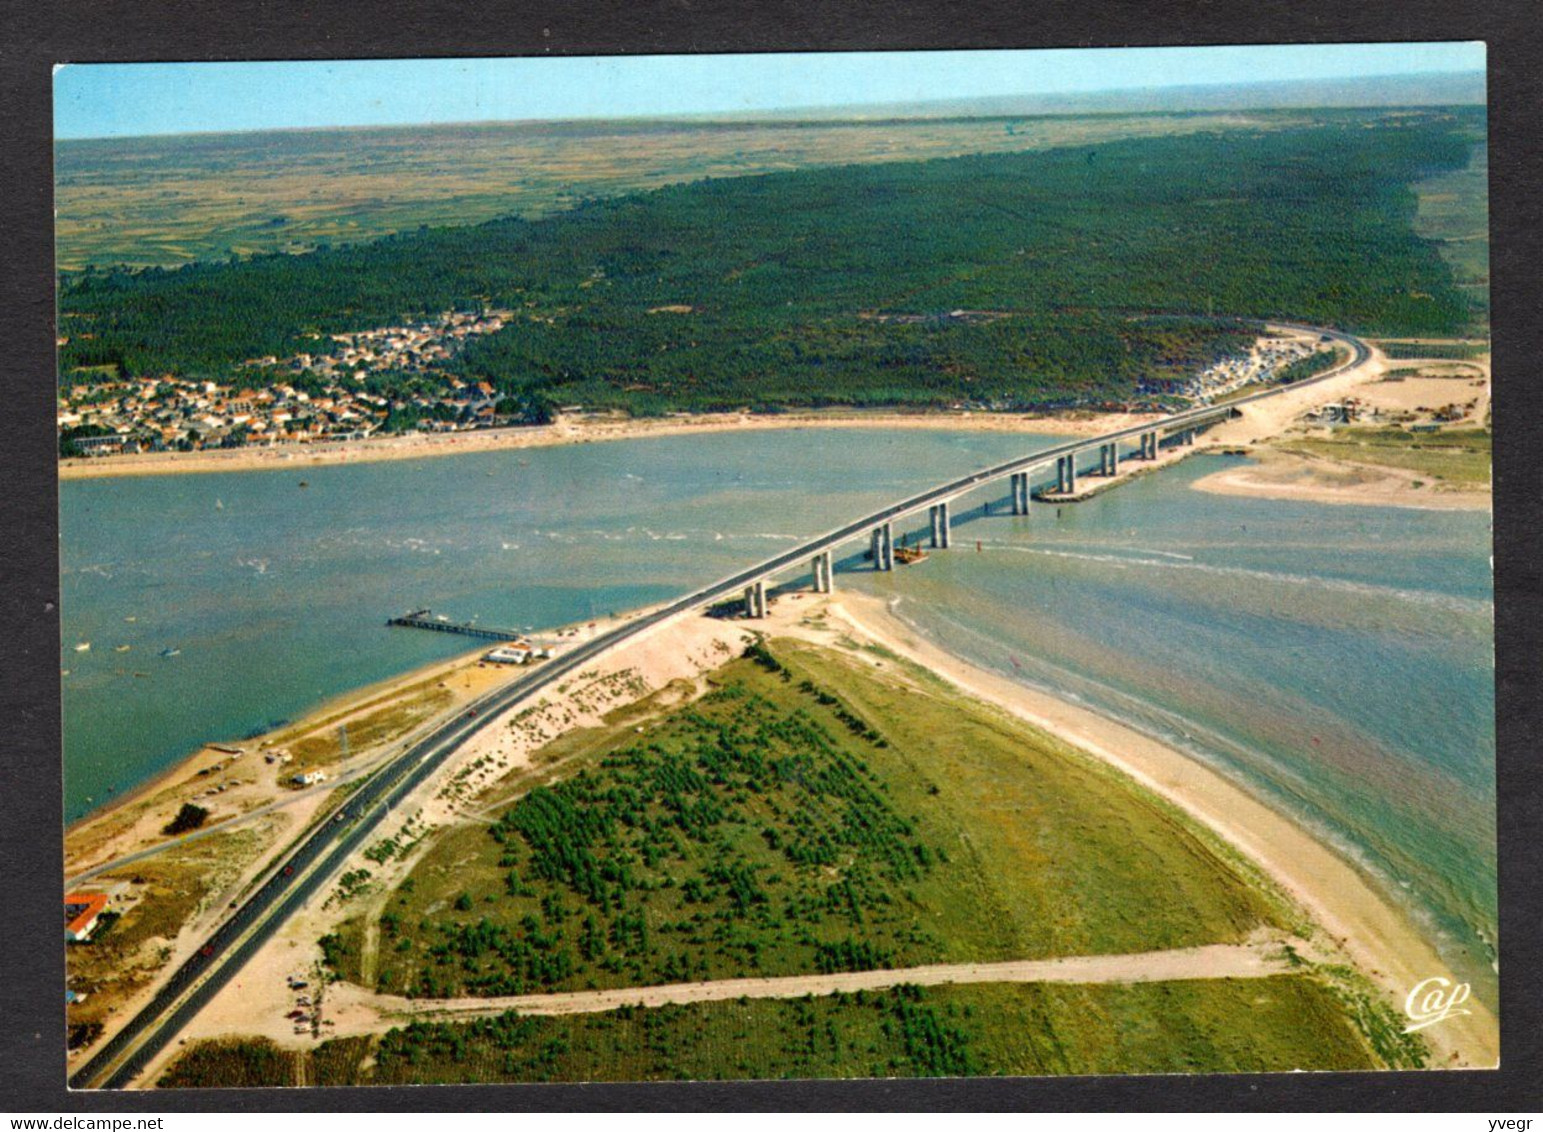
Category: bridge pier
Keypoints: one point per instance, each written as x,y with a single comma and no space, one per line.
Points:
1149,445
821,567
883,545
1114,457
942,525
1020,487
755,599
1066,474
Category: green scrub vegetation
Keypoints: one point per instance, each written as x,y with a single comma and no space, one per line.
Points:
810,814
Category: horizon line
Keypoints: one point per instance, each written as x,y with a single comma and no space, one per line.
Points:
763,114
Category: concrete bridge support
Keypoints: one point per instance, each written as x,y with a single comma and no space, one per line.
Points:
1149,445
822,569
1114,457
942,526
884,546
1066,474
755,599
1020,486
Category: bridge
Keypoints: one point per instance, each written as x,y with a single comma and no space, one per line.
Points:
294,878
1069,460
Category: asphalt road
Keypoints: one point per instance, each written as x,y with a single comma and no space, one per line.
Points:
329,845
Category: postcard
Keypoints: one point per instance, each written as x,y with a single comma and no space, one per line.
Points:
743,567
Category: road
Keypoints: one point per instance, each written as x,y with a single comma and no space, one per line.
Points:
324,851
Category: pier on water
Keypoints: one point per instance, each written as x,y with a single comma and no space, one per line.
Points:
425,619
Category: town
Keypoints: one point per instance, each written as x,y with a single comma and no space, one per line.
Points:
302,399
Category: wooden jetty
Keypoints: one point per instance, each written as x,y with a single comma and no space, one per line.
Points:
424,619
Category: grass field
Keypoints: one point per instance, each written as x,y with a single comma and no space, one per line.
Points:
1447,351
1460,457
817,817
168,201
1215,1026
1454,211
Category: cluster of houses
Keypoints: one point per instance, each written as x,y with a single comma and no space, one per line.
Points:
171,414
410,348
1268,356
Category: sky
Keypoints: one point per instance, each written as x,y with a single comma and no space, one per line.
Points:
129,99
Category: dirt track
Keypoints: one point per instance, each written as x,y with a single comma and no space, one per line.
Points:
357,1011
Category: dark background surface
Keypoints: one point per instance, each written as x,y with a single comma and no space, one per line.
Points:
39,34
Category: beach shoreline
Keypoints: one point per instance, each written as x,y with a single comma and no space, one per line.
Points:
1382,940
587,430
1293,477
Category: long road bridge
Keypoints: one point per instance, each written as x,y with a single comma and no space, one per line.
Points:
295,878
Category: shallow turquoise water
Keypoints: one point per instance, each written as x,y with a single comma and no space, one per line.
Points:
1336,659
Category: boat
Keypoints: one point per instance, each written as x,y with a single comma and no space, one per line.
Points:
122,648
84,646
909,555
171,652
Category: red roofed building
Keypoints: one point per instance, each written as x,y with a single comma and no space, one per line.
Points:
81,912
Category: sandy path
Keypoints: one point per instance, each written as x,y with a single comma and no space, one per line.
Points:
357,1011
1378,937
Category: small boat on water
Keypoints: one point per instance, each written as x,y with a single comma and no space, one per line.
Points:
171,652
122,648
84,646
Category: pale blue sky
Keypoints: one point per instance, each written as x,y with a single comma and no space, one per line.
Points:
124,99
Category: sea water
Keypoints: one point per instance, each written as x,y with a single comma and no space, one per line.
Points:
1336,660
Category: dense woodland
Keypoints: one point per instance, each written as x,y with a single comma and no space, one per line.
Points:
1008,280
703,853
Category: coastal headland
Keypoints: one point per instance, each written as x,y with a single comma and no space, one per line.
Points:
1344,920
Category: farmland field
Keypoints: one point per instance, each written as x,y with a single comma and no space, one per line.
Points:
166,201
1454,211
